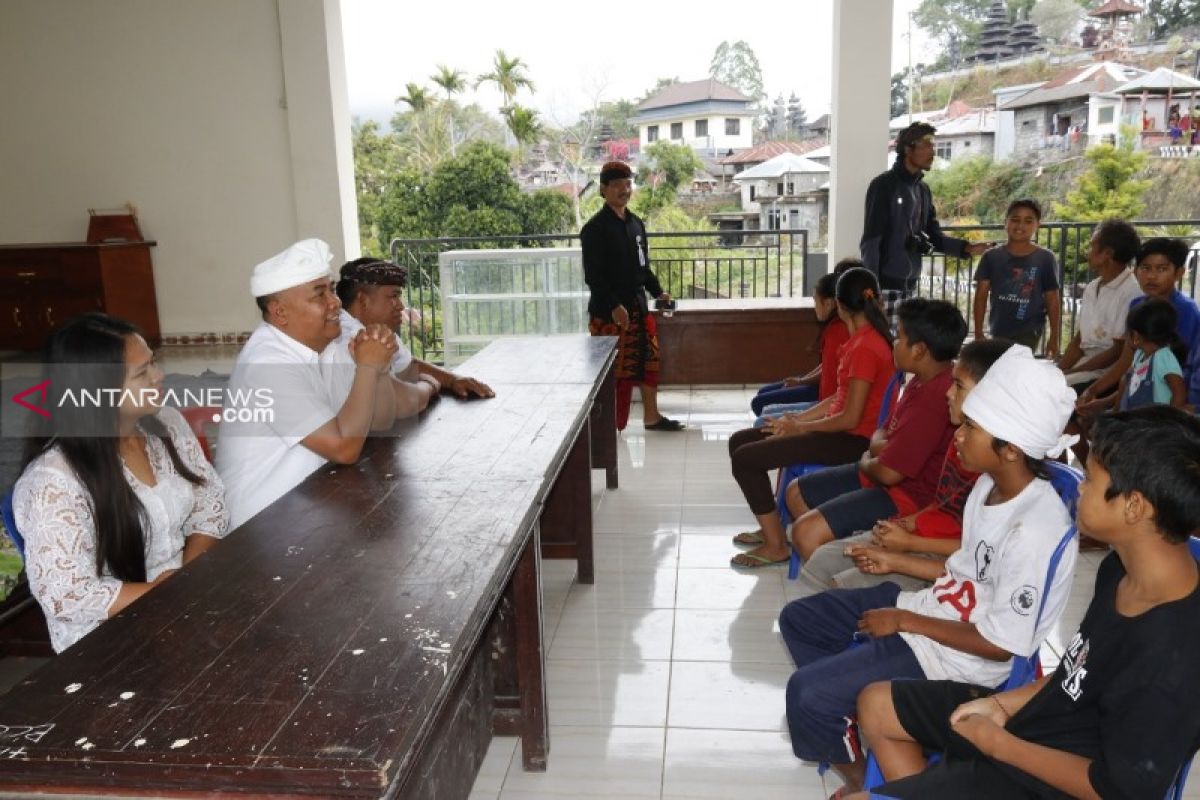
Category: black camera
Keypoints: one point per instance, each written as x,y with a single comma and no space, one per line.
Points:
664,305
920,243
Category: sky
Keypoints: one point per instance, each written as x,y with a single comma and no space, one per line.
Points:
578,51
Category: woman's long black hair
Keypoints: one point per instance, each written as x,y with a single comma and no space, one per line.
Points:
85,355
827,287
858,291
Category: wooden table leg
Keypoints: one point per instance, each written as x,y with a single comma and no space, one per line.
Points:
531,660
566,520
604,430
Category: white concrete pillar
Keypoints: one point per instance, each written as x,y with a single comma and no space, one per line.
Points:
862,73
318,119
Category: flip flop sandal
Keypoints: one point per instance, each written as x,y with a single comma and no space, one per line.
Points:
751,538
665,424
754,561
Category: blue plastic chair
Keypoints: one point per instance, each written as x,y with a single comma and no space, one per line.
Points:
789,474
10,523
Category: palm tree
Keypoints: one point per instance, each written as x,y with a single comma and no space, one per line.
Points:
524,125
509,76
417,97
452,82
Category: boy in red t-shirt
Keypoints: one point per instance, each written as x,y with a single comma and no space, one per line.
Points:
900,471
910,550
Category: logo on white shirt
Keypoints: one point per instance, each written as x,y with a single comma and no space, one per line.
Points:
1024,600
984,555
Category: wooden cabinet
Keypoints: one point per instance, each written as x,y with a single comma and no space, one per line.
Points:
44,285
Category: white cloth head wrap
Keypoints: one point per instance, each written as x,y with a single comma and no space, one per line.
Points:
304,261
1024,401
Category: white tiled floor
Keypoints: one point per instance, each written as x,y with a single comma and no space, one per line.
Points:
666,677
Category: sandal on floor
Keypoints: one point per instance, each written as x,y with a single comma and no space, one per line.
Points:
752,538
665,424
755,561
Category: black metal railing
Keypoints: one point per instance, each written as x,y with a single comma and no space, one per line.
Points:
760,264
952,279
689,264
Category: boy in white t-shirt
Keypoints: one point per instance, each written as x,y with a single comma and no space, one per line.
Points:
983,609
1100,329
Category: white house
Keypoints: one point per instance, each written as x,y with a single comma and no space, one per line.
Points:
1069,112
787,191
961,129
706,115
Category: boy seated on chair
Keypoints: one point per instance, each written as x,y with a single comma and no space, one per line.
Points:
1121,714
984,608
899,472
910,551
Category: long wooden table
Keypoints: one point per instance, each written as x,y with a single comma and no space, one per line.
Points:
364,636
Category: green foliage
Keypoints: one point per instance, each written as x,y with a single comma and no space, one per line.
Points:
1056,19
737,66
976,187
524,125
471,194
900,83
1168,16
663,169
417,97
451,81
612,118
510,75
1108,188
954,24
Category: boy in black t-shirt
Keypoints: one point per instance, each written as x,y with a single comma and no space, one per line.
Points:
1121,714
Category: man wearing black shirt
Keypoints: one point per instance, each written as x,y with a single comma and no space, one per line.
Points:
1121,714
616,266
901,225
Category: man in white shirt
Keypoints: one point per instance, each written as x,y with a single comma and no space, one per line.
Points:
1100,328
298,401
370,291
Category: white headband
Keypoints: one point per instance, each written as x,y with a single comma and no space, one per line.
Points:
1024,401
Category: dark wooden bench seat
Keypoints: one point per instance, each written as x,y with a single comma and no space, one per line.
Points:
364,636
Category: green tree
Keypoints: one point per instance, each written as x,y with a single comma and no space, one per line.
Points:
1169,16
900,93
976,188
451,81
1056,19
1108,188
377,160
510,75
664,168
524,125
953,24
417,97
736,65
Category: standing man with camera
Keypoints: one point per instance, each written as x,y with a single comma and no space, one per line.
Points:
901,225
616,266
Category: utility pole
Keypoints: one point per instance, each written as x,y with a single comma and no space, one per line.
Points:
910,70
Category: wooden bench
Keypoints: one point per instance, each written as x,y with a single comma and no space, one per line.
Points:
364,636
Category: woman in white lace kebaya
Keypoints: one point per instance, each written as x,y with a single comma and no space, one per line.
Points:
116,494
